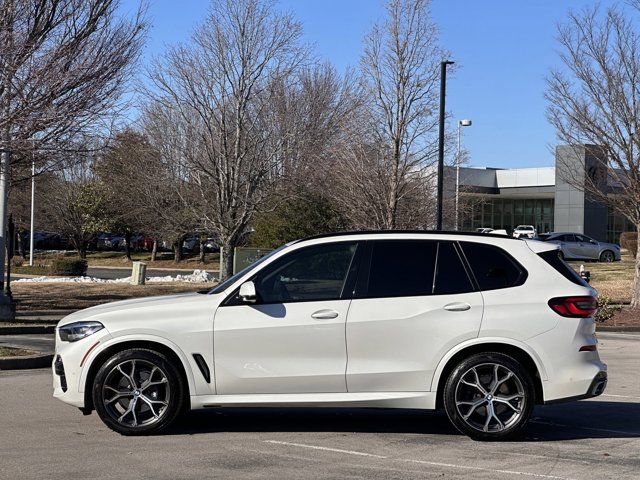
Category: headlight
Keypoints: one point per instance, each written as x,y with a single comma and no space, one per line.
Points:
79,330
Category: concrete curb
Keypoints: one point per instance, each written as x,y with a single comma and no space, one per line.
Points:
27,329
613,328
26,362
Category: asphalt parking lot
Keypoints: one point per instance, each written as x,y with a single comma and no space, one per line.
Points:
41,438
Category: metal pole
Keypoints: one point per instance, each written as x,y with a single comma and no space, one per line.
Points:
458,173
33,203
443,88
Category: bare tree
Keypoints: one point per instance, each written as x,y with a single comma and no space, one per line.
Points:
594,100
64,64
218,86
390,159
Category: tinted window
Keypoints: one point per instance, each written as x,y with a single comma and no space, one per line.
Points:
451,277
492,266
401,268
582,239
568,238
312,273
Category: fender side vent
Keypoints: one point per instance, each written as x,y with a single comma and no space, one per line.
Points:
202,365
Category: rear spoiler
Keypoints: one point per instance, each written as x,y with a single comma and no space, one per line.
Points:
536,246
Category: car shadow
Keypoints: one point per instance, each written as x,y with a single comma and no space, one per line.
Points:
571,421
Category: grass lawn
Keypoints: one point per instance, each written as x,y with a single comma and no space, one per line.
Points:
75,296
14,352
118,259
613,280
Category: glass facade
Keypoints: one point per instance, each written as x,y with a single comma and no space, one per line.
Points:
508,213
616,224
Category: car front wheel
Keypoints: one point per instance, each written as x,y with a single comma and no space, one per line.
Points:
489,396
137,392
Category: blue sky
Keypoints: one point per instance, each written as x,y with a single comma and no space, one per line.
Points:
503,49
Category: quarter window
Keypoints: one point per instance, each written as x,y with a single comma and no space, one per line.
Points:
309,274
493,267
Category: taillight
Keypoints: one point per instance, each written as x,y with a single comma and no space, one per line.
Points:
574,307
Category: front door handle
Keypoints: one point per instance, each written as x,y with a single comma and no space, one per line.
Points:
457,307
324,314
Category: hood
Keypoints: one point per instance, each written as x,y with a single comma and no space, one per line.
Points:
128,306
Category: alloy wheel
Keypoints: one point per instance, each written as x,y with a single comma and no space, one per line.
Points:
607,256
490,397
136,393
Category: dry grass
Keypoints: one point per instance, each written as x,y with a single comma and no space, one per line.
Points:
613,280
14,352
75,296
118,259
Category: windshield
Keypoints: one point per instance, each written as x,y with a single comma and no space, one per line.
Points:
221,287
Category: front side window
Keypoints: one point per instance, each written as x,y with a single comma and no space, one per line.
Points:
493,267
313,273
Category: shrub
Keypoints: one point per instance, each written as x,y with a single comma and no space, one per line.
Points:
605,309
629,241
68,266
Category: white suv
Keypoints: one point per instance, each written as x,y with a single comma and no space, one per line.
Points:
525,231
482,326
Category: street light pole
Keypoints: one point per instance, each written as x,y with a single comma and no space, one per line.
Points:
461,123
443,91
33,204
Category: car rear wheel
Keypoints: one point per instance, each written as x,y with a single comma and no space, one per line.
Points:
489,396
607,256
137,392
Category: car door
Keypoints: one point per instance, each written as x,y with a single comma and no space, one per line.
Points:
292,339
570,247
414,301
587,247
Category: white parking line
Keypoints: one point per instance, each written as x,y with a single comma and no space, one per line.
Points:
316,447
423,462
619,396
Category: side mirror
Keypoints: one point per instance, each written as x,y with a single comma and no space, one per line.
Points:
248,292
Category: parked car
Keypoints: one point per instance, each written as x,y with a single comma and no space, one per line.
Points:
429,320
142,242
527,231
576,246
109,241
499,232
484,230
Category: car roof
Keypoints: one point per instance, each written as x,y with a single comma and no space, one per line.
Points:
390,232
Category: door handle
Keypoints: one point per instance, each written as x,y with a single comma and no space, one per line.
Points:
324,314
457,307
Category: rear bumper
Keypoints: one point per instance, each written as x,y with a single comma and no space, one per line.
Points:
596,387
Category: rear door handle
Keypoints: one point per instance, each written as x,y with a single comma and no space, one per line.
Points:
457,307
324,314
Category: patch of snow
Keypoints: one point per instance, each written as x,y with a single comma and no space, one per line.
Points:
198,276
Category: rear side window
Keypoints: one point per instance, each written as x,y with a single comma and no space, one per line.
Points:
451,276
493,267
401,268
552,257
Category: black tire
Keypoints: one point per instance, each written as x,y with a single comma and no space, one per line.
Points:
163,385
464,403
561,255
607,256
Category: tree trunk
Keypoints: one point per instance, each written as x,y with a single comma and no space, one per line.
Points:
177,251
127,245
635,293
21,245
226,265
154,250
201,258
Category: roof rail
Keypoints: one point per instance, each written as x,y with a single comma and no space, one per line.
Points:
366,232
